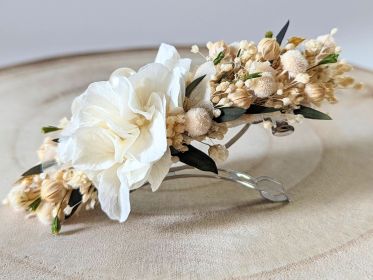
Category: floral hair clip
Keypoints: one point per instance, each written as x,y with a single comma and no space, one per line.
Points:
127,132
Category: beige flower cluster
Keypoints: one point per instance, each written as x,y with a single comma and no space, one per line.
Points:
47,195
194,124
302,72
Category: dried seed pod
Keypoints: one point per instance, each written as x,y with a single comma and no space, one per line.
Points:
269,48
241,98
315,92
52,191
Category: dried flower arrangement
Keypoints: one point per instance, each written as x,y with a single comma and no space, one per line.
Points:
128,131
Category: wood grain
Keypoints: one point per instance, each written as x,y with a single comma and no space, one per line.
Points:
197,229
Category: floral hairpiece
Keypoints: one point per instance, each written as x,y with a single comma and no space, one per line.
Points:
127,132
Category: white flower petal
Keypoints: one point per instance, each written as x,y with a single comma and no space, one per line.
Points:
119,73
134,173
169,57
152,141
153,78
113,194
95,148
159,170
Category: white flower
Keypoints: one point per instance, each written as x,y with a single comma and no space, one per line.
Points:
117,133
294,62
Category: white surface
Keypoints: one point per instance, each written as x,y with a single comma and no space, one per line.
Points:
42,28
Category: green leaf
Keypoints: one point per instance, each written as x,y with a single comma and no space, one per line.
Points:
56,225
229,114
268,34
193,85
35,204
196,158
310,113
48,129
280,36
219,58
253,75
331,58
239,53
258,109
56,140
39,168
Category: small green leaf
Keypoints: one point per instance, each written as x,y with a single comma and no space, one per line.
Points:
268,34
310,113
48,129
229,114
280,36
196,158
331,58
258,109
193,85
219,58
56,140
56,226
239,53
253,75
35,204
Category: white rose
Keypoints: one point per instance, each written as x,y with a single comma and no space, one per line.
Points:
117,133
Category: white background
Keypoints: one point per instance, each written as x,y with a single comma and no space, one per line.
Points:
33,29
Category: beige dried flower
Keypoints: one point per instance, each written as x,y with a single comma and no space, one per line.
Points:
315,92
23,194
45,212
218,153
269,48
175,130
294,62
241,98
52,191
48,150
303,78
263,86
197,122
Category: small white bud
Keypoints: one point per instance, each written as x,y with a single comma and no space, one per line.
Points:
195,49
333,31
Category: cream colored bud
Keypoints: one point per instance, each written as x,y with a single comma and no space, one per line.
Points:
294,62
315,92
194,49
52,191
197,122
267,125
240,98
22,195
263,86
219,153
269,48
48,150
303,78
44,212
226,67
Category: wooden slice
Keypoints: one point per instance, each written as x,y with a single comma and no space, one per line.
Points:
197,229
